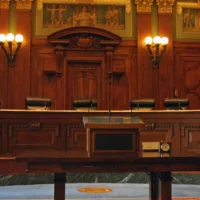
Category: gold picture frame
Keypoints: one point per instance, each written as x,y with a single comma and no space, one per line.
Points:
188,20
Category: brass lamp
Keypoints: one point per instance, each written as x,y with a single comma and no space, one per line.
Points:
156,47
12,41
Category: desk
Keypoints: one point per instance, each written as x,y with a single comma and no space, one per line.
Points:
55,142
159,170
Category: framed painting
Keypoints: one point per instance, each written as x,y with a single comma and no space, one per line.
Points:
115,16
188,20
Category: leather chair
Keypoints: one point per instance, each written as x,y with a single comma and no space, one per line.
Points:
84,104
38,103
176,103
142,104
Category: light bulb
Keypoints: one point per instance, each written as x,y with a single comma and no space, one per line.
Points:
19,38
10,37
2,38
148,40
164,41
157,40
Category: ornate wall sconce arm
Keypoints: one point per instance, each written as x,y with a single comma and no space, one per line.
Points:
156,47
11,41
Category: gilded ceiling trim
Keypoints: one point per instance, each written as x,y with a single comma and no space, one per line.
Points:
165,6
4,4
23,4
127,3
143,6
181,5
20,4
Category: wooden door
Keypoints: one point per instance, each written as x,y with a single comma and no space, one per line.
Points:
83,82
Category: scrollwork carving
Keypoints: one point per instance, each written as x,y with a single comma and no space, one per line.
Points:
85,41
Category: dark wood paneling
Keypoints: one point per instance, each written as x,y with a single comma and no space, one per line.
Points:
38,72
43,73
32,136
187,72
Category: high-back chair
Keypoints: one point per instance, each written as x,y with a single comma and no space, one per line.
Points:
84,104
176,103
142,104
38,103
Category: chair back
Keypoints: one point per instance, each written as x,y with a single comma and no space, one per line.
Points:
142,104
84,104
37,103
176,103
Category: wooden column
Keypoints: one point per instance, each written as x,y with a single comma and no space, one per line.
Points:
144,66
59,186
166,67
4,7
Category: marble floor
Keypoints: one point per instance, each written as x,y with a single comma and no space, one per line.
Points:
122,191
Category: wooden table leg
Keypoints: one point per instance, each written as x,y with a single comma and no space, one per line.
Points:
165,186
153,185
59,186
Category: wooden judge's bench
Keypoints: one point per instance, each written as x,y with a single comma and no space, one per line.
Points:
53,141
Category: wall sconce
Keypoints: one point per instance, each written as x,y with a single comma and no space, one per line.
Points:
11,42
156,47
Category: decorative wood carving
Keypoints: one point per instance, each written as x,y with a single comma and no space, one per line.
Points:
83,38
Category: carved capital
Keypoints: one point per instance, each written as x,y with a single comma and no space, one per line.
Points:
144,5
4,4
165,6
24,4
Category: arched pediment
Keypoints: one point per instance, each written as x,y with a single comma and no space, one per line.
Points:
88,38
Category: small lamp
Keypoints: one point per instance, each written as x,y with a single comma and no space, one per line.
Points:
156,47
11,42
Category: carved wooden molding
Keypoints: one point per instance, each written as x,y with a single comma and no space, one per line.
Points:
127,3
83,38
